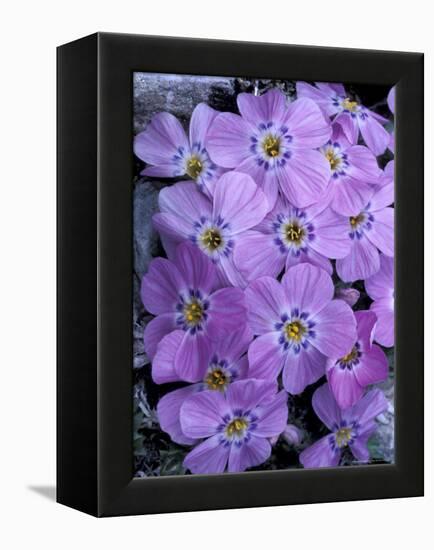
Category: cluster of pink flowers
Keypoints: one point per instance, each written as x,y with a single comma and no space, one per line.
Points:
275,211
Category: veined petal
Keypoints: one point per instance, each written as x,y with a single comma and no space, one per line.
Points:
367,409
322,95
228,140
256,255
272,416
266,302
385,328
344,385
382,231
308,288
320,455
362,261
363,164
163,365
192,357
309,257
374,134
302,369
227,312
156,330
197,269
233,345
209,457
269,107
331,235
373,367
307,124
350,196
160,286
168,411
266,357
248,394
326,408
381,284
304,177
161,140
335,329
185,201
239,202
250,453
202,414
201,119
349,127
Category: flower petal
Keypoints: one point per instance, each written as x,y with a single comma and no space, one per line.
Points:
239,202
307,124
303,369
228,140
320,455
209,457
256,255
362,261
349,127
326,408
234,344
382,231
335,329
160,286
310,257
344,385
367,409
266,302
331,235
202,414
192,357
308,288
245,395
304,177
385,328
168,410
373,367
184,200
381,284
161,139
156,330
349,196
272,416
374,135
198,271
266,357
322,94
227,312
250,453
163,365
269,107
363,164
201,119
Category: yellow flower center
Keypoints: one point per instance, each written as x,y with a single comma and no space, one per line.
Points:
194,167
295,330
356,220
294,233
271,145
212,239
349,105
193,312
350,357
216,380
333,159
343,436
237,427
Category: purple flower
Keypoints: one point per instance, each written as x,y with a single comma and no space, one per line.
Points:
349,114
299,326
227,363
165,146
214,226
391,100
370,230
350,428
348,295
353,168
275,143
183,296
365,364
380,287
288,236
235,425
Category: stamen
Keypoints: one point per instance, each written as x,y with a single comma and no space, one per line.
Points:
333,159
294,233
212,239
237,427
271,145
193,312
356,220
350,357
194,167
216,380
349,105
295,331
343,436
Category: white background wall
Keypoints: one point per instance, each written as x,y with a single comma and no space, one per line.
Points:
30,31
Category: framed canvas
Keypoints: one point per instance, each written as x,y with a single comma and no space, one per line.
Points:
240,274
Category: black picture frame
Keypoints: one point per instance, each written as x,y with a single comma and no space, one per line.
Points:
95,255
